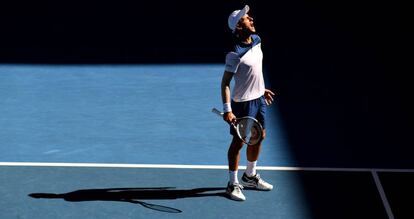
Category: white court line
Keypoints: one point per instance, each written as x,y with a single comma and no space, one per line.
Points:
179,166
175,166
382,194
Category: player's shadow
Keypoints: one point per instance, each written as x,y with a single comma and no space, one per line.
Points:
134,195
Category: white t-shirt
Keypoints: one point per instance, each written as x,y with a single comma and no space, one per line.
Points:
245,61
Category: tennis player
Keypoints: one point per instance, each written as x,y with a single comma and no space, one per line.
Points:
248,98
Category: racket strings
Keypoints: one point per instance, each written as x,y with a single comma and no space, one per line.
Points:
249,130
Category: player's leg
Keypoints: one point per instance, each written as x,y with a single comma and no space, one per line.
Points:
233,154
257,109
250,177
234,189
253,151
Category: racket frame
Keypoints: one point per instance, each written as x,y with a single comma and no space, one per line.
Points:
234,125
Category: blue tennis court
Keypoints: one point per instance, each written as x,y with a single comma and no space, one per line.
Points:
118,114
140,141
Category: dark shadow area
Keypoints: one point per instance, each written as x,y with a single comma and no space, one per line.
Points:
398,188
107,32
134,195
341,195
342,74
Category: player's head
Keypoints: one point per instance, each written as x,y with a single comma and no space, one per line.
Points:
240,21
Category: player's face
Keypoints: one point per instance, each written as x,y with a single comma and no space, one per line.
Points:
246,23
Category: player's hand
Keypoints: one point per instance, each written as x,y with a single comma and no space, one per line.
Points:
229,117
269,96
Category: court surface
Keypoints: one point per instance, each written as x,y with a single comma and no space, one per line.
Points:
140,141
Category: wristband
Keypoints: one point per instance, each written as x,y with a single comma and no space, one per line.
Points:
226,107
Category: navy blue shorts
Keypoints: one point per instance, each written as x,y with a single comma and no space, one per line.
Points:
255,108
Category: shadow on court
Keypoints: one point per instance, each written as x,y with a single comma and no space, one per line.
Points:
134,195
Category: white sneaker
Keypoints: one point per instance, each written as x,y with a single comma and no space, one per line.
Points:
255,182
235,191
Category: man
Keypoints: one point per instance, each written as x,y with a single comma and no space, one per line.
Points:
249,98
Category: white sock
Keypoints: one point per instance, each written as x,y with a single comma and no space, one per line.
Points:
251,168
233,177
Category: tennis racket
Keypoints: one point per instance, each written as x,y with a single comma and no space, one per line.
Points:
248,129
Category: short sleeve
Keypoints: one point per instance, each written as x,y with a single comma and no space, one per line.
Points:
232,62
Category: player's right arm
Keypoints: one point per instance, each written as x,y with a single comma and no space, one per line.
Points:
226,97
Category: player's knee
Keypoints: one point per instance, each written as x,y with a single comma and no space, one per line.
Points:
236,143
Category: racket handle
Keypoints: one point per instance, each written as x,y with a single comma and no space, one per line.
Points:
216,111
219,113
